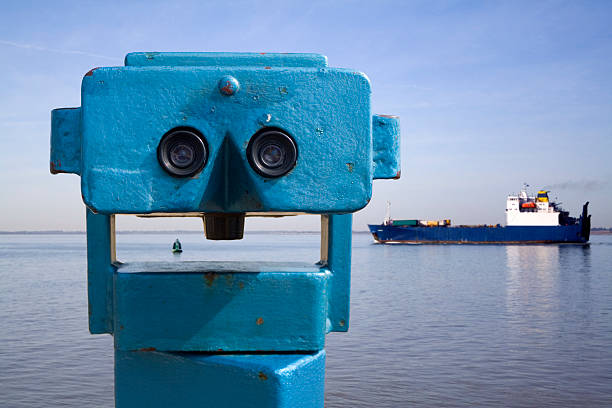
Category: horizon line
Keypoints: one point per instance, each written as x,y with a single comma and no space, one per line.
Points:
82,232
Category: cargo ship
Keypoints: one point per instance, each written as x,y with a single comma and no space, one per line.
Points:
529,220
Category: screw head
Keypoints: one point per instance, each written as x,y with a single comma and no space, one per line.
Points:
228,85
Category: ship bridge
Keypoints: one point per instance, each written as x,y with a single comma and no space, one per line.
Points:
522,210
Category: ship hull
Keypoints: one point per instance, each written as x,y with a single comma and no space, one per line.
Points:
480,234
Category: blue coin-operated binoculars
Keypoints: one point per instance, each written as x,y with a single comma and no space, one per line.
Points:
222,136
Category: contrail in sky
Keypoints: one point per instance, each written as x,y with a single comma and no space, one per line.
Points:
58,50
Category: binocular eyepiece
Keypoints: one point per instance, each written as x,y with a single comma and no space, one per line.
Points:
272,153
183,152
242,159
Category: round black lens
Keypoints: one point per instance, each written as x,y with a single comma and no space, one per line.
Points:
272,152
182,152
272,155
182,155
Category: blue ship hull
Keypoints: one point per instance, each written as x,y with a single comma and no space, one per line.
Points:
480,235
574,230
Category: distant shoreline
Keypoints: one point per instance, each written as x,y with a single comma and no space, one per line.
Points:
607,231
153,232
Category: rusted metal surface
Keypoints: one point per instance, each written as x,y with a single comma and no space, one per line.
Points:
228,85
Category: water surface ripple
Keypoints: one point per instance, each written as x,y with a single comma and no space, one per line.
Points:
431,326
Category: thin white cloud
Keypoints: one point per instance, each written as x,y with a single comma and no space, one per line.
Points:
57,50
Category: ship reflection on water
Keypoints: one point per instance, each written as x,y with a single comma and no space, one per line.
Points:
537,285
476,325
532,284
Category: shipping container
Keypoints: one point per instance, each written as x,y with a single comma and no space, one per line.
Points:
407,223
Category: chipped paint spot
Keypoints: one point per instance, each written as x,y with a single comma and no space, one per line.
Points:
148,349
342,322
283,90
121,327
228,85
350,167
267,67
262,376
210,278
259,321
90,72
55,169
263,120
227,89
241,285
229,279
398,175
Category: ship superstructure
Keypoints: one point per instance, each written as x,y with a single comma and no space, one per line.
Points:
538,210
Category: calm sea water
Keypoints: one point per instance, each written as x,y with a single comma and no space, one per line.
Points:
431,326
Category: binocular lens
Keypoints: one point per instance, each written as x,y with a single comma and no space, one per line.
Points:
272,155
182,152
182,155
272,152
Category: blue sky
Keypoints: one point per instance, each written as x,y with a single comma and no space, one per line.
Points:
491,94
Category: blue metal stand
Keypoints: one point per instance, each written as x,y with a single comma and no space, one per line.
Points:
161,379
222,136
209,333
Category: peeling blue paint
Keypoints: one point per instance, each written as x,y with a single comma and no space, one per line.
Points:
386,137
66,141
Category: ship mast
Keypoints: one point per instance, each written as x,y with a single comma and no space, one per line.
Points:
388,214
